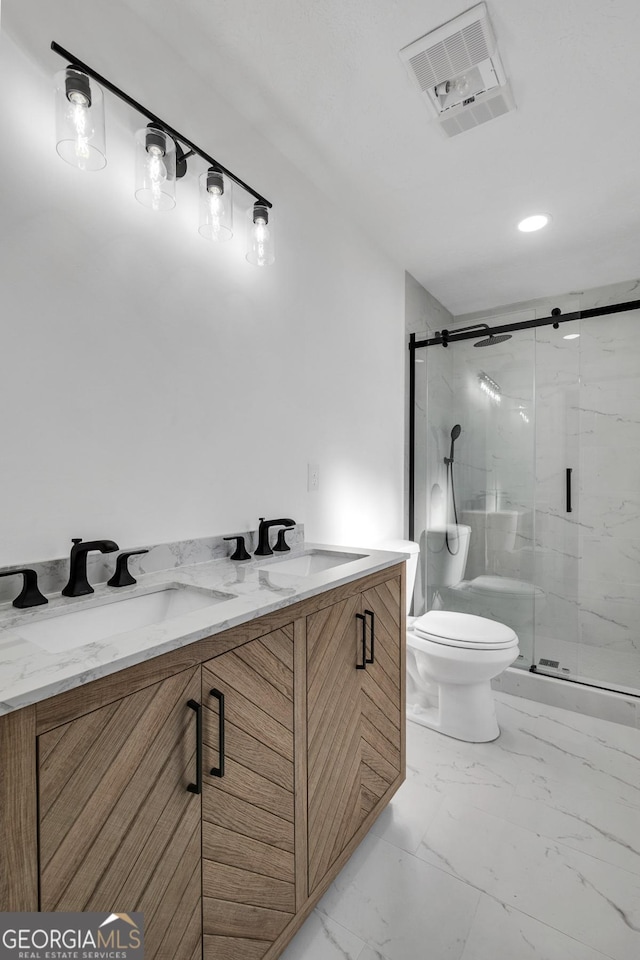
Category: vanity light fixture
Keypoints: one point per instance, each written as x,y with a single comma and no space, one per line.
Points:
79,120
155,169
535,222
260,247
216,206
161,158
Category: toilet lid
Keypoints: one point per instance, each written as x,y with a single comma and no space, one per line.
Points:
463,629
503,586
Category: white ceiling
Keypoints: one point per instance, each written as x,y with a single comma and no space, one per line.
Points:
324,81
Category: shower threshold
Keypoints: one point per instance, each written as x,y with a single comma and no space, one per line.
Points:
558,673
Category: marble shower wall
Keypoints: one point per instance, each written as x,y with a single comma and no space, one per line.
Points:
495,454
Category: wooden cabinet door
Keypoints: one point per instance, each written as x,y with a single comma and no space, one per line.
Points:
353,718
119,830
248,848
382,716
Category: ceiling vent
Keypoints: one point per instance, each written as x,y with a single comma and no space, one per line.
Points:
459,72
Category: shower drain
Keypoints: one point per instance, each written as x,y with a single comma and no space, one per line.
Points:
549,663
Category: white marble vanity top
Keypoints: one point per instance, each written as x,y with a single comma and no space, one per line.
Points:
29,673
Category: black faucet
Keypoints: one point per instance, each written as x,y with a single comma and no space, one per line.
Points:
264,550
78,584
30,595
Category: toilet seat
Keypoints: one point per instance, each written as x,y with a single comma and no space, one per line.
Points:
464,630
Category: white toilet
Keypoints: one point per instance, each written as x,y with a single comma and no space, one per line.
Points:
453,657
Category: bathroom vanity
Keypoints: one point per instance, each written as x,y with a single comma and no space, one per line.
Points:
218,773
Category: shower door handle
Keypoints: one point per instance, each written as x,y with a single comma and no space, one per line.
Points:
569,472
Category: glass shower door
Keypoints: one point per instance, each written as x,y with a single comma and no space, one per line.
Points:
609,491
477,544
558,501
588,550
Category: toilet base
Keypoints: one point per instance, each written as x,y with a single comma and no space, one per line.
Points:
465,712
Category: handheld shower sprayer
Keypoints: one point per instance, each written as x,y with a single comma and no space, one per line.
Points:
452,542
455,433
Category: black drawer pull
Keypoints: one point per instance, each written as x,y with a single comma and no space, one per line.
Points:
197,786
363,665
569,472
370,613
219,770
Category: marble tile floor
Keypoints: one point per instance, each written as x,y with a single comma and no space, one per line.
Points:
527,848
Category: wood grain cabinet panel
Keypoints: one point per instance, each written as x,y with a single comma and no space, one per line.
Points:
119,830
96,814
353,717
248,868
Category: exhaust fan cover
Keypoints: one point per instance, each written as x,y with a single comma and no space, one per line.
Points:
458,70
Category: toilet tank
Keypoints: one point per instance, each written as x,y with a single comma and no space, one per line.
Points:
447,551
413,549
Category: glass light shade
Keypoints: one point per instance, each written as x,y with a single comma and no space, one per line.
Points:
216,206
260,249
155,169
80,137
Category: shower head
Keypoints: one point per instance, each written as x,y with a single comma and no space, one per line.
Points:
455,433
492,339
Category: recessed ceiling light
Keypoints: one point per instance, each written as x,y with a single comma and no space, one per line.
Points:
571,336
536,222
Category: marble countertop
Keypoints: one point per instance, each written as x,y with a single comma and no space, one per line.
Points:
252,588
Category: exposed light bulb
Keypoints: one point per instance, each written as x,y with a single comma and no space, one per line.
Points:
260,247
157,174
216,210
261,238
216,206
155,169
79,120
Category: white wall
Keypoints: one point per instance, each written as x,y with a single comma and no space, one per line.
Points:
424,315
157,387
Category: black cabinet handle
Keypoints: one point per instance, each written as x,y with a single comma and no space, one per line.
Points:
219,770
363,665
197,786
370,613
569,472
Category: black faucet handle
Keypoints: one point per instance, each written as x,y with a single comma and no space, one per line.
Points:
281,544
240,552
30,595
122,577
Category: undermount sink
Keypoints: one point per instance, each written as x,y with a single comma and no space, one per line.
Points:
310,562
67,629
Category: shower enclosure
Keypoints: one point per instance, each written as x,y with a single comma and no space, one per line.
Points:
531,445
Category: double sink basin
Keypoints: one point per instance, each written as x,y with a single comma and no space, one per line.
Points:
67,629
